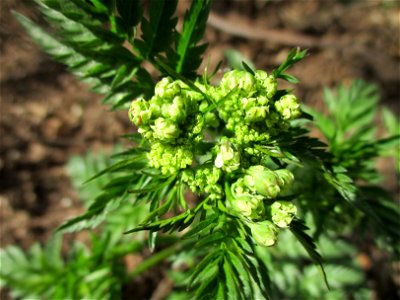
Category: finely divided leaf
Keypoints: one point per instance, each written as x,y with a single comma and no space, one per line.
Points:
298,228
158,31
187,51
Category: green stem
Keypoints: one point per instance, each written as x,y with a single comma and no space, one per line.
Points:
158,257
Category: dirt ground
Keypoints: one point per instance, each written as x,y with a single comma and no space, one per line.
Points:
47,115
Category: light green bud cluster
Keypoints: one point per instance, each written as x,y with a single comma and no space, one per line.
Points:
250,195
282,213
203,179
227,159
267,182
251,109
169,159
244,203
288,106
170,120
171,115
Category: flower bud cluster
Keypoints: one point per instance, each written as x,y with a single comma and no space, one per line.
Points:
169,159
251,108
245,203
203,179
267,182
249,201
170,120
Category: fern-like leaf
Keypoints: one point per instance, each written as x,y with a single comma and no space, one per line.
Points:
298,228
158,32
187,51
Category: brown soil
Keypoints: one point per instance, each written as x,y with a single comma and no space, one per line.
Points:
47,115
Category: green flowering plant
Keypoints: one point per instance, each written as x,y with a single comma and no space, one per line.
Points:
225,167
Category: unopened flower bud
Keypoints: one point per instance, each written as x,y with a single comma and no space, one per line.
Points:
263,181
165,129
285,177
267,83
265,233
256,114
139,112
282,213
211,119
167,88
241,80
288,107
249,206
227,159
175,111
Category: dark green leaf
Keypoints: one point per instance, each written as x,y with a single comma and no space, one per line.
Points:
298,228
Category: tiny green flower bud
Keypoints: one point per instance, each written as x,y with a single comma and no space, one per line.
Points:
165,129
241,80
288,107
203,106
211,119
162,86
256,114
263,181
249,206
139,112
267,83
198,126
167,88
228,159
265,233
248,103
262,100
282,213
285,177
176,110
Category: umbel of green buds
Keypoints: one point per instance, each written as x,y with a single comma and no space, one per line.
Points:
265,233
267,182
282,213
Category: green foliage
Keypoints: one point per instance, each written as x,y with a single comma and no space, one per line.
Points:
188,53
89,38
296,277
231,165
95,272
158,31
350,132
